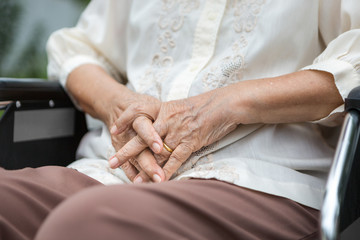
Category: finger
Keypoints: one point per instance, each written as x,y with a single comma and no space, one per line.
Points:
160,127
135,164
141,177
162,157
127,118
130,171
123,122
144,128
177,158
130,150
133,170
149,165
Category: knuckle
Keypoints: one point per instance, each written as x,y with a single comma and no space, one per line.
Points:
129,134
180,154
136,108
124,153
150,132
139,141
189,148
160,159
160,127
118,123
176,157
135,163
126,167
167,172
157,125
132,161
137,123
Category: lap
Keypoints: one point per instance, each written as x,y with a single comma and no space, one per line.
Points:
191,209
29,195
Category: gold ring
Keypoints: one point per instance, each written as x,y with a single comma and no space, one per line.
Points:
167,147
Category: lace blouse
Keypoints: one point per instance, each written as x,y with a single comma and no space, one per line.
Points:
174,49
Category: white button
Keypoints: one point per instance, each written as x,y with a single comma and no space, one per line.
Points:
211,15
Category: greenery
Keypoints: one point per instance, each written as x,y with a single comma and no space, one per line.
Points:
32,60
82,2
10,11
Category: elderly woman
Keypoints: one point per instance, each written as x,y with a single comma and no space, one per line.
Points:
223,105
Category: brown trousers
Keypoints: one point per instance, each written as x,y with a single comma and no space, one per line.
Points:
53,203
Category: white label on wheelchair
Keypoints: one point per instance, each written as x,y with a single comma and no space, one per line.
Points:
32,125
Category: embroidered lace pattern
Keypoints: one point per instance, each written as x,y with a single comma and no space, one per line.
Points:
171,20
228,70
194,158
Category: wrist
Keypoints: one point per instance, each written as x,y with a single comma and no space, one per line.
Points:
98,94
240,104
222,103
114,102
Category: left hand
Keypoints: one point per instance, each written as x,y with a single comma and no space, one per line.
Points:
185,125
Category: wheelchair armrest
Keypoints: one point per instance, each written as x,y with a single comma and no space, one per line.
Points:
39,125
30,89
353,100
341,207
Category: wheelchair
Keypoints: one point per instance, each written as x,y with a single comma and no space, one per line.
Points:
40,126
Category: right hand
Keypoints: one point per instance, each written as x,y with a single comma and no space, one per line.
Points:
101,96
146,159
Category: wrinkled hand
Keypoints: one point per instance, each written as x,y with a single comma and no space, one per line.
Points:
118,142
185,125
146,107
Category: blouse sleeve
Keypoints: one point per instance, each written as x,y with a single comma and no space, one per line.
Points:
98,38
339,26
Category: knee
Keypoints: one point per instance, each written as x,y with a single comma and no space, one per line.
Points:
73,218
20,214
107,213
8,207
97,213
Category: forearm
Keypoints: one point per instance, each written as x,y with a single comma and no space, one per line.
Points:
98,94
186,125
300,96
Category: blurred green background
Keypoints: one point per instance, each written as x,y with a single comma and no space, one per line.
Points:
25,26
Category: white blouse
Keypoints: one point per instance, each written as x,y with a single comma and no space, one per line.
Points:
174,49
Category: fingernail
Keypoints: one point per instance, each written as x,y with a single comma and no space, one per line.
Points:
156,147
113,129
156,178
113,162
138,180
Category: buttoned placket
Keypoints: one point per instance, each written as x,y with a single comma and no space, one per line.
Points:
204,44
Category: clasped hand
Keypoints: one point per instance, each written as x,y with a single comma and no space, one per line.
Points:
167,133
